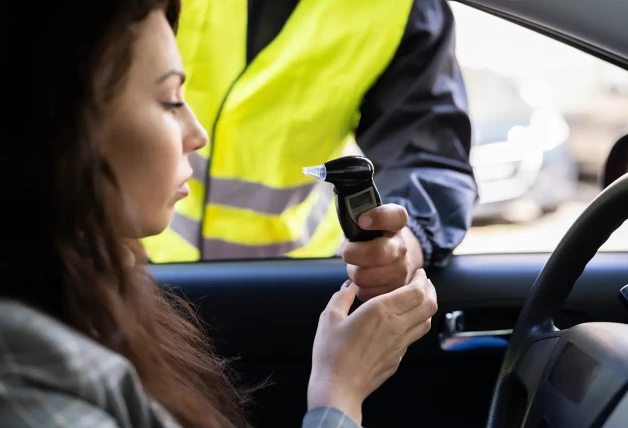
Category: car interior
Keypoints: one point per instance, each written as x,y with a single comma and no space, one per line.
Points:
520,340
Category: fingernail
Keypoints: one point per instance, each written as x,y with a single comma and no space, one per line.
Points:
346,284
365,221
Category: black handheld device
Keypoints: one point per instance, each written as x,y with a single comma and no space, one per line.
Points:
355,192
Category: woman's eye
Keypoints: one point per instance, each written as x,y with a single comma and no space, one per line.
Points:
172,106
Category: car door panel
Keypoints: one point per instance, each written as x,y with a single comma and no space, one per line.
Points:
265,313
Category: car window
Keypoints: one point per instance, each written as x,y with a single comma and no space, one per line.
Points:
545,116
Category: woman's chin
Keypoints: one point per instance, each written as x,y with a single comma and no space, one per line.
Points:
155,229
148,229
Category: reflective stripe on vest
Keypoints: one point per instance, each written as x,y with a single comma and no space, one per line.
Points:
296,104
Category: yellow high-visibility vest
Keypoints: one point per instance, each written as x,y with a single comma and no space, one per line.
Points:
296,104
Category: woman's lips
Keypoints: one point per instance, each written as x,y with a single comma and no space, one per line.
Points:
183,190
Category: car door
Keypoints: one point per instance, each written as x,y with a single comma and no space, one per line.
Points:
264,313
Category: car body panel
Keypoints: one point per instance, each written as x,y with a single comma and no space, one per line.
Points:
266,312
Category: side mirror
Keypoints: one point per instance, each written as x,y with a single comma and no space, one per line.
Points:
616,163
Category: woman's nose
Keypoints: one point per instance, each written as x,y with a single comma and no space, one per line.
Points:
196,136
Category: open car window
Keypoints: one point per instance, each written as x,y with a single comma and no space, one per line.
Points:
545,117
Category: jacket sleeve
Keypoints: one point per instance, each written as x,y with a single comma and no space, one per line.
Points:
27,407
328,417
415,128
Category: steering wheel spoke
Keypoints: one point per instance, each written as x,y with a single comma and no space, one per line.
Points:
531,368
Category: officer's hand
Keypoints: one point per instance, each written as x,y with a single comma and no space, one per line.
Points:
387,263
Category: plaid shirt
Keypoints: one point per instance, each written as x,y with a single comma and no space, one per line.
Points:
51,376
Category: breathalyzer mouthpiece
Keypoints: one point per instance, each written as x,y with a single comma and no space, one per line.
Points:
354,192
319,172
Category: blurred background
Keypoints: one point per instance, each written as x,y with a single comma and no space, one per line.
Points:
545,117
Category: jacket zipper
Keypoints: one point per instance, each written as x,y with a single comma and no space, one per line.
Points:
211,154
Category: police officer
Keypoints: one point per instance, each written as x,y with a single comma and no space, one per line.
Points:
281,84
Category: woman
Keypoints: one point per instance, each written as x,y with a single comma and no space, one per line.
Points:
86,337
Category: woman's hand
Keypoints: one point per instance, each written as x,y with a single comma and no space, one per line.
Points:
354,354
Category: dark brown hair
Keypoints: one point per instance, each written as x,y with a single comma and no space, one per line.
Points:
62,253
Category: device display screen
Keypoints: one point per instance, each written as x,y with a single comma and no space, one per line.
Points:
359,201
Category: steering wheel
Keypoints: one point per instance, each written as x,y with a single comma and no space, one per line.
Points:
566,378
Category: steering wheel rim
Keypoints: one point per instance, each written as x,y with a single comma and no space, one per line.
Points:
552,287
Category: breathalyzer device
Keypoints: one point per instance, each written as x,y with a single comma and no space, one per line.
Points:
354,191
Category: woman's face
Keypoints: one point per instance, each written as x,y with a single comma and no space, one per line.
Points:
149,132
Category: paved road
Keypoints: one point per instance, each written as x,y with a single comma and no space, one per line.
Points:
539,236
